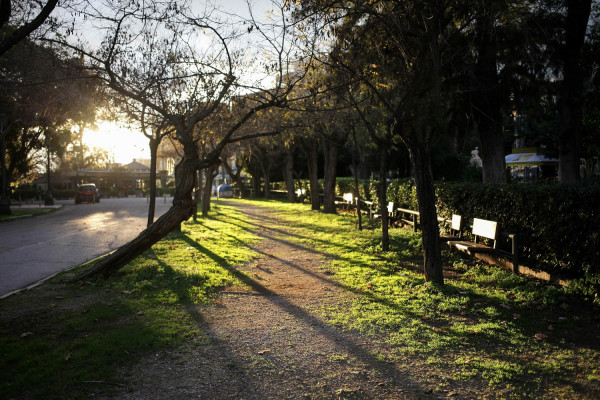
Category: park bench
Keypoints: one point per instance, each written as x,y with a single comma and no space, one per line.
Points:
481,231
367,208
390,213
407,217
454,229
346,201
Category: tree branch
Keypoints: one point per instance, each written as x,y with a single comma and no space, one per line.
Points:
23,31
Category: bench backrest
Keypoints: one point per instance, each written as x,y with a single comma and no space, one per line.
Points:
348,197
391,207
485,228
456,223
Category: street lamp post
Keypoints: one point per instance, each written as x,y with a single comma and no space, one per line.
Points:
4,202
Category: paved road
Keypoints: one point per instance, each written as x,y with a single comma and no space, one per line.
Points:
32,249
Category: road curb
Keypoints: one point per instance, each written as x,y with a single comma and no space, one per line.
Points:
31,286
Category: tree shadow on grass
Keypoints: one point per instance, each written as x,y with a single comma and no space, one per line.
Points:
346,340
482,309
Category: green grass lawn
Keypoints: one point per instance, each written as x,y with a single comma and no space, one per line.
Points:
521,338
24,212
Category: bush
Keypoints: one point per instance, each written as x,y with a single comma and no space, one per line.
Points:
346,185
401,191
557,224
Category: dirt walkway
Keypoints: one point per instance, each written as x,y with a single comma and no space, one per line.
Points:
270,341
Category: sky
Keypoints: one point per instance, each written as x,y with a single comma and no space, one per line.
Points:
125,145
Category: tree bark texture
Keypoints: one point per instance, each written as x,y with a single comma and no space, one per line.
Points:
330,151
571,97
210,174
487,100
266,169
356,186
421,159
313,174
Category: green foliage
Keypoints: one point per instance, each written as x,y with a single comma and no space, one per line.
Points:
402,192
557,224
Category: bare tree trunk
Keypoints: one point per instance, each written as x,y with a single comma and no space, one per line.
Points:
288,175
383,167
421,159
210,174
266,170
571,100
486,101
356,187
197,193
256,185
330,151
313,173
267,189
152,203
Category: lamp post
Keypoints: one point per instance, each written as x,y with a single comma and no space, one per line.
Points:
4,202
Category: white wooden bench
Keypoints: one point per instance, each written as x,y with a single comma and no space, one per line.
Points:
454,230
485,229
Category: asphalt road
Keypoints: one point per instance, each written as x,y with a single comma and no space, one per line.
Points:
33,249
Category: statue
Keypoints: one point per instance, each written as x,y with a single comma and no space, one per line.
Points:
475,161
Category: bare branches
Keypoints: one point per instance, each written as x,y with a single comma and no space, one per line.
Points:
25,30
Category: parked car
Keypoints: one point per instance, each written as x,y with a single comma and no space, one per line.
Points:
225,191
87,193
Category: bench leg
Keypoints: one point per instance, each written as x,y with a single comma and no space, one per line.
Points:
515,254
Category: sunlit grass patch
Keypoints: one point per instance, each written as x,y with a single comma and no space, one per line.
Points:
485,325
68,335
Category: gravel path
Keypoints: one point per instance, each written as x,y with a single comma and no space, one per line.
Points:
271,341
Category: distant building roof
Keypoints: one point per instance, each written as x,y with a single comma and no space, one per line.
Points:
137,167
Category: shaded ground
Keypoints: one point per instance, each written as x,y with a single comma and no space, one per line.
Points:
269,341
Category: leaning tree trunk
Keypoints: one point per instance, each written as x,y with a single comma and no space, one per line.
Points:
288,175
330,150
182,210
421,158
313,174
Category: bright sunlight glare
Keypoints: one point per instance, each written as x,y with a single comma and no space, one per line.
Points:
123,144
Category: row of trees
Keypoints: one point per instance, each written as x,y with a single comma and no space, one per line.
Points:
427,75
375,76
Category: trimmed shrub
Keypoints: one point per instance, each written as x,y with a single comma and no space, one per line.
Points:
558,225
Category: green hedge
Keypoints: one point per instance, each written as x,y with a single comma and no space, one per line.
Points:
400,191
343,185
558,226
